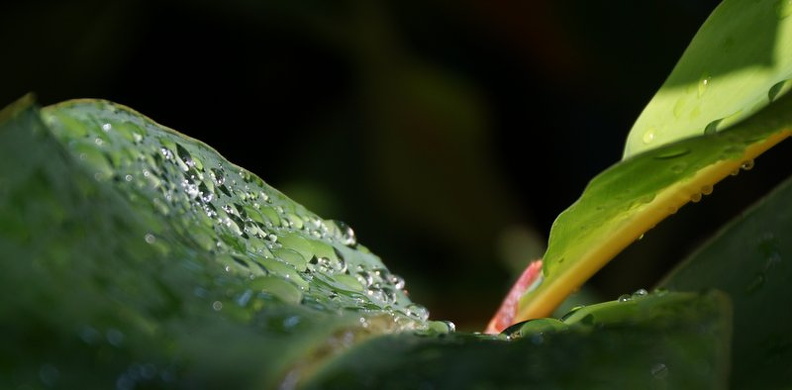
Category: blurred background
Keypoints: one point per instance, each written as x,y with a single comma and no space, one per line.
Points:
448,134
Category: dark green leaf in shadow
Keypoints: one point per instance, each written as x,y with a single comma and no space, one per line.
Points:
750,260
656,341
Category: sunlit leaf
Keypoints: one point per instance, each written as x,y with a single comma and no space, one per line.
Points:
739,61
631,197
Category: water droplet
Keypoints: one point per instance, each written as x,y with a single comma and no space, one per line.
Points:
217,176
695,197
572,311
673,152
364,278
417,311
659,371
707,189
150,238
347,237
184,155
678,167
48,374
167,153
625,298
98,141
107,127
89,335
535,329
747,165
779,89
115,337
712,127
217,305
640,293
704,83
397,281
648,136
756,283
291,322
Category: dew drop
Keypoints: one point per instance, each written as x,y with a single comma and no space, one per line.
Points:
115,337
107,127
780,88
291,322
572,311
417,311
712,127
648,136
706,189
217,305
659,371
678,167
348,237
167,153
48,374
695,197
397,281
625,298
364,278
755,284
184,155
640,293
150,238
669,153
747,165
704,83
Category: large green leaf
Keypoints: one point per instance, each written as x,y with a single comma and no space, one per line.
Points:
750,260
738,62
137,256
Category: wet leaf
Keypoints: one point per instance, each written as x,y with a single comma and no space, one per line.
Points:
679,161
656,341
750,260
739,62
136,256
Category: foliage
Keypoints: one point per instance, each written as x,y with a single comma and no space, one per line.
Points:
137,257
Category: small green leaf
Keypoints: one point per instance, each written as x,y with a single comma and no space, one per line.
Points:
631,197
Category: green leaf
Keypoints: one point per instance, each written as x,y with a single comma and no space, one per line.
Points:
631,197
749,259
739,61
670,159
657,341
135,256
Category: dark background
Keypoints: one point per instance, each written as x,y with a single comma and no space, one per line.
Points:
448,134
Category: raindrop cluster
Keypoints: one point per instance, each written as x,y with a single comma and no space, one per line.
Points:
266,246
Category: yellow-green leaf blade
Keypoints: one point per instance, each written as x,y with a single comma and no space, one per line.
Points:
631,197
738,62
